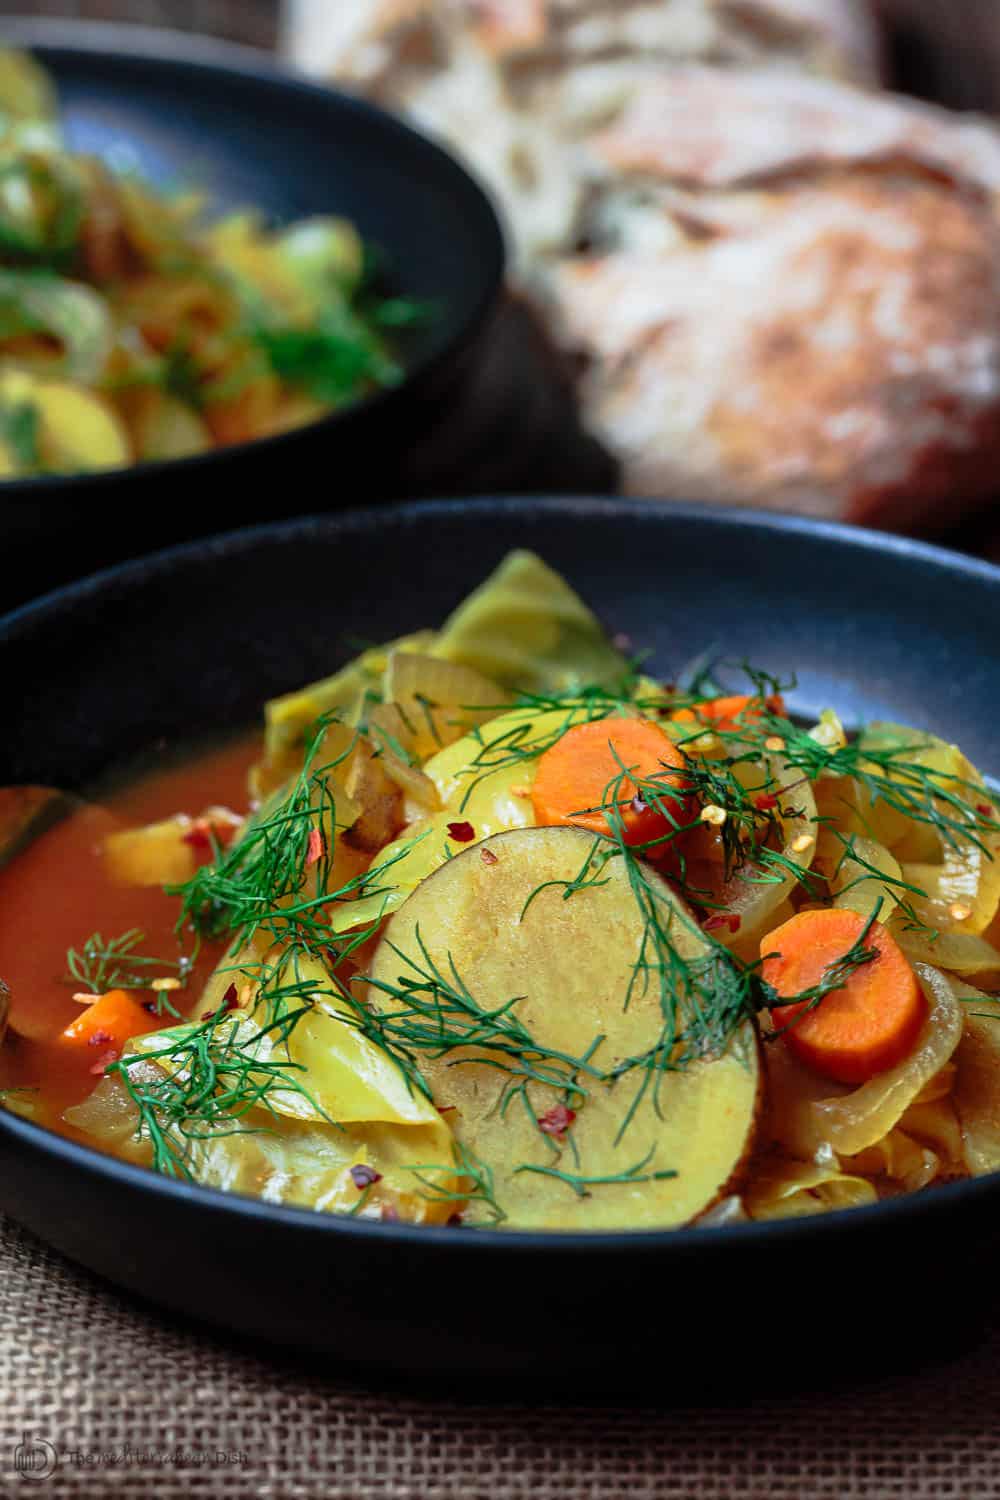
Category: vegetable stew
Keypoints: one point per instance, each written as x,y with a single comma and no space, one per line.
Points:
494,927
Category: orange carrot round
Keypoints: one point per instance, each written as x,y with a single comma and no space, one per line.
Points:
109,1022
730,712
577,774
867,1025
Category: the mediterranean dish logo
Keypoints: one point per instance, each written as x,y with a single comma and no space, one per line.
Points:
36,1458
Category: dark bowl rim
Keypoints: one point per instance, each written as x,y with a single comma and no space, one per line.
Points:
214,55
900,1213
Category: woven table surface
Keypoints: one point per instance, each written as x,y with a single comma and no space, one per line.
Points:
102,1396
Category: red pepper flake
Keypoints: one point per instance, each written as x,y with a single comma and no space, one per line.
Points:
488,857
444,1109
364,1176
557,1120
104,1061
316,848
454,1221
766,801
230,1000
218,821
99,1039
719,919
199,834
985,809
462,833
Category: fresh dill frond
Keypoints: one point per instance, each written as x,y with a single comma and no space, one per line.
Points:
581,1183
20,425
256,883
99,965
433,1015
205,1080
476,1175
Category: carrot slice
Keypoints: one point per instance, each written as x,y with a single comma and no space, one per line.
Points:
867,1025
575,777
108,1023
730,712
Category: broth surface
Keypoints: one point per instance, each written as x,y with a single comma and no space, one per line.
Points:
57,892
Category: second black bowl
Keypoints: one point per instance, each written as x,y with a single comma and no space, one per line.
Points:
250,135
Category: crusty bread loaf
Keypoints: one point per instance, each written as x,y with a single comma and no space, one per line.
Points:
793,298
783,288
510,85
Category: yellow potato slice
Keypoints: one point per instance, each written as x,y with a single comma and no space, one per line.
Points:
560,974
77,430
156,854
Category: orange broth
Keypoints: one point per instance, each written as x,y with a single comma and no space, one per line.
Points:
56,893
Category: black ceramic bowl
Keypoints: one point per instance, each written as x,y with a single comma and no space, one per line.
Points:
250,135
197,638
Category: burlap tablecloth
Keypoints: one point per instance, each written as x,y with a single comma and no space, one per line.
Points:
115,1399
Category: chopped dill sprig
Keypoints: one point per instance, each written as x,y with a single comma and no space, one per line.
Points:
208,1076
890,773
581,1184
433,1014
100,966
475,1173
256,886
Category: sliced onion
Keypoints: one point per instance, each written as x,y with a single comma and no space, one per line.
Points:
792,1189
977,1082
901,1159
394,739
961,953
440,701
808,1113
758,905
965,878
854,886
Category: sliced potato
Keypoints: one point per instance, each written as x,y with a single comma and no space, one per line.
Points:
167,852
563,970
77,430
156,854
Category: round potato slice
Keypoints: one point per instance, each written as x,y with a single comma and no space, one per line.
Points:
518,988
